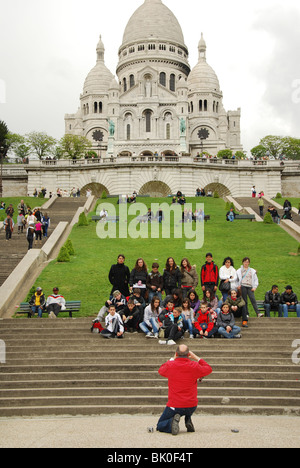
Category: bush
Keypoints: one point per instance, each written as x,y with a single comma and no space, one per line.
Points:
216,195
63,255
278,195
268,218
82,220
104,195
69,247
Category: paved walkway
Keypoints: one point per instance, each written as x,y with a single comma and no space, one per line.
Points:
120,431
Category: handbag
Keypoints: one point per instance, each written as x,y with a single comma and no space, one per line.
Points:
224,287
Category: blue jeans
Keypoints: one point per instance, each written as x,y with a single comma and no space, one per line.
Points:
286,308
145,328
235,331
152,294
37,309
165,422
187,325
268,310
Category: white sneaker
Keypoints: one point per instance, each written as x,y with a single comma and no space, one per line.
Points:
191,337
171,342
162,342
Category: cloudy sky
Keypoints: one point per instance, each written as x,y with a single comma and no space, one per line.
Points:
48,48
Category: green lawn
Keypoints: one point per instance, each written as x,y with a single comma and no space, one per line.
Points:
31,202
85,278
294,201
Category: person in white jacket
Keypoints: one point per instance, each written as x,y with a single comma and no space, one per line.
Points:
227,274
55,303
114,327
248,283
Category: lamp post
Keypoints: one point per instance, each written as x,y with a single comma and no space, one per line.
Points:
1,166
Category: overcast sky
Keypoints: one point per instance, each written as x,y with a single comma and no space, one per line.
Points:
48,47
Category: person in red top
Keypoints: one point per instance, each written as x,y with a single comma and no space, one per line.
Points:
209,274
182,372
204,326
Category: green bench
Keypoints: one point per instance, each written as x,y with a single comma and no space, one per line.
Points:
109,219
245,216
71,306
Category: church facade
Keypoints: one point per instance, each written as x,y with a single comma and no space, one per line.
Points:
157,105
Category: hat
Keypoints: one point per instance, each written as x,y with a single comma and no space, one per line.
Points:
288,287
38,289
116,293
55,289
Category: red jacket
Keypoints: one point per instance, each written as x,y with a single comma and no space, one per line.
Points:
207,318
209,274
182,375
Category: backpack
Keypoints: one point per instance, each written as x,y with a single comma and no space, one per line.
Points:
96,327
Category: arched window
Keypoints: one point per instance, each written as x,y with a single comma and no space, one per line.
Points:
148,115
100,108
128,129
168,131
205,105
192,107
95,107
124,85
162,79
200,105
131,81
172,82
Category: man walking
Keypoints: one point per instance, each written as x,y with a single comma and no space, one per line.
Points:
182,372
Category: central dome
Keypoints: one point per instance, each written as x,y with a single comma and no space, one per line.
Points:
153,20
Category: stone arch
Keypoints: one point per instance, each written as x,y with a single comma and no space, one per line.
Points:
222,190
96,188
155,189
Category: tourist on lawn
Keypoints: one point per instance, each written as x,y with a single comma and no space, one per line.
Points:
248,283
37,302
55,303
226,323
205,325
273,301
171,276
195,301
155,283
138,276
119,276
189,277
209,274
289,301
188,316
173,326
212,300
237,306
228,277
114,327
150,324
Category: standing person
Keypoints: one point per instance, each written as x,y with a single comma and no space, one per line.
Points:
30,234
261,205
119,276
8,227
228,277
182,372
22,207
155,283
38,232
253,192
248,283
171,276
209,274
139,275
46,224
20,222
189,277
55,303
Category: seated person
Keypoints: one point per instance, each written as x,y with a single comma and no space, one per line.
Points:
289,301
37,302
230,215
194,300
226,323
55,303
175,297
131,316
173,327
150,324
205,325
118,300
212,300
138,299
114,327
188,316
237,306
273,301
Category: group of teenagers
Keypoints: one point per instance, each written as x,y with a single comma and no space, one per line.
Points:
136,301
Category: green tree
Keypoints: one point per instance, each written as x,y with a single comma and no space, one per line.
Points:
258,151
74,146
225,154
18,144
275,145
3,137
41,144
292,147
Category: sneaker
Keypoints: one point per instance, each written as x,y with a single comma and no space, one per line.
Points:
52,315
162,342
149,335
171,342
260,315
238,336
191,337
175,424
190,426
245,324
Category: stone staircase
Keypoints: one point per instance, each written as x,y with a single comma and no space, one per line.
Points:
58,367
12,252
252,203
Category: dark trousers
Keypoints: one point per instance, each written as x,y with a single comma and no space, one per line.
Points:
7,233
203,326
172,332
165,422
53,308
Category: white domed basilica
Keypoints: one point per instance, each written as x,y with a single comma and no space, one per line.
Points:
157,105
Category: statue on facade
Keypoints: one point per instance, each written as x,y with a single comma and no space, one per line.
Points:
182,126
111,127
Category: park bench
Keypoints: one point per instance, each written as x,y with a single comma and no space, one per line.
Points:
109,219
71,306
245,216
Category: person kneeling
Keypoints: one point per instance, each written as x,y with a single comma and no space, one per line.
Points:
226,323
114,327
